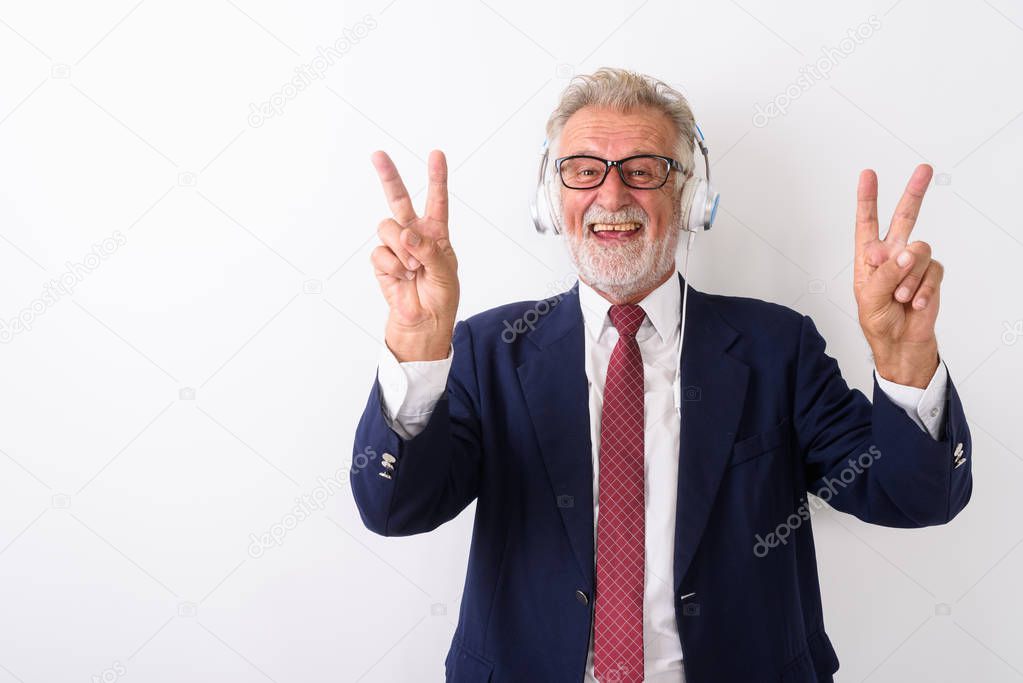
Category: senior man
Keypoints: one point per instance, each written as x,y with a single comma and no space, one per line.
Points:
621,535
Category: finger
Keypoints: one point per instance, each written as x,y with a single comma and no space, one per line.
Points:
386,264
394,189
389,232
919,254
437,193
866,208
434,254
927,294
866,223
908,208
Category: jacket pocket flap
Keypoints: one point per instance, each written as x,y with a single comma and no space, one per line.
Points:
464,666
761,443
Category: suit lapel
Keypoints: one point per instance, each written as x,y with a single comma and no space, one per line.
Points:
554,384
713,393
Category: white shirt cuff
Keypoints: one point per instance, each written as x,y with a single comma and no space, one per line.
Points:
926,407
411,389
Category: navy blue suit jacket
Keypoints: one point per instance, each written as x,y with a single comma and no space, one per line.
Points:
766,418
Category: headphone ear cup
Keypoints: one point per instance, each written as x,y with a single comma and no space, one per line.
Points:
690,192
699,204
540,207
541,212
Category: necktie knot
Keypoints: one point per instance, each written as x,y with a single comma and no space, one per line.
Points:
627,318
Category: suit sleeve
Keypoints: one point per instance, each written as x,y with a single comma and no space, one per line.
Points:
870,459
410,486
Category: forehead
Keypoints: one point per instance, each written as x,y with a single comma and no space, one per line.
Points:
615,134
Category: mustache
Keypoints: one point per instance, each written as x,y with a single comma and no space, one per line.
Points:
629,214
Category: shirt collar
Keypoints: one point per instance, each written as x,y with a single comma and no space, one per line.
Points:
663,308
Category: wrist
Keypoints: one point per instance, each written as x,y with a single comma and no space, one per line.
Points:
419,346
910,364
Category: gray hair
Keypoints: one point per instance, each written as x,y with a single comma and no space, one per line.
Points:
623,90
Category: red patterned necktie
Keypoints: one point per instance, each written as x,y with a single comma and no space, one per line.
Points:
618,619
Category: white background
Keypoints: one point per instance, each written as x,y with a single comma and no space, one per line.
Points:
212,368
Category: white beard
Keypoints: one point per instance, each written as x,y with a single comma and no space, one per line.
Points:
623,270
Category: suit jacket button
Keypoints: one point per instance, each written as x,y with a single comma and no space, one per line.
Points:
581,597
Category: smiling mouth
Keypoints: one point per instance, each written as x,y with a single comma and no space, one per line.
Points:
615,228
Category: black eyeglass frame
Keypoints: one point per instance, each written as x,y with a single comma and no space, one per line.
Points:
672,165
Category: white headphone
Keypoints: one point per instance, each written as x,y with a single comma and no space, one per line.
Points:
699,200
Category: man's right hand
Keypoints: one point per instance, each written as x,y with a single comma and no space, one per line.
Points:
416,266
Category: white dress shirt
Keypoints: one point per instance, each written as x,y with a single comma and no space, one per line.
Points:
410,391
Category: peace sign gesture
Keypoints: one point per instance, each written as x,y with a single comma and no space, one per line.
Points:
896,283
415,266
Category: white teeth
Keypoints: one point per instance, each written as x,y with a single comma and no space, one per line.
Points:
615,227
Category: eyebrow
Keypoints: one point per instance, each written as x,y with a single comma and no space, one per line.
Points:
635,151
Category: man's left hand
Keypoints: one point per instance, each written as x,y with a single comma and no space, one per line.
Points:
896,283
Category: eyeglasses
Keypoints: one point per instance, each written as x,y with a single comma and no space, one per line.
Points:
640,172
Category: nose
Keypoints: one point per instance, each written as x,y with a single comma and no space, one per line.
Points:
613,194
